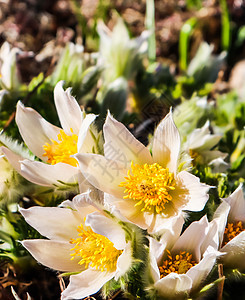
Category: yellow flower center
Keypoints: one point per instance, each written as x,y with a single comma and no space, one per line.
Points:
61,151
150,186
95,250
180,264
231,231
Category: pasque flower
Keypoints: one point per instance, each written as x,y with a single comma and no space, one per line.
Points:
120,55
145,187
230,216
82,241
200,144
53,145
8,70
179,265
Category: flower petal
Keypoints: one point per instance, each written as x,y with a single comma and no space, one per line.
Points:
85,134
48,175
169,228
84,204
212,237
13,158
124,261
156,249
237,203
220,216
68,109
120,145
196,191
192,238
53,254
199,272
155,273
108,227
174,286
235,252
201,139
85,284
166,144
130,211
34,129
53,222
103,173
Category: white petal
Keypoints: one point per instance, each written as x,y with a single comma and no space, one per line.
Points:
201,139
221,215
104,174
108,227
34,129
197,192
155,273
192,238
85,284
48,175
13,158
68,110
85,205
131,212
53,222
169,228
237,203
166,144
199,272
122,146
124,261
212,237
53,254
156,249
174,286
84,132
235,252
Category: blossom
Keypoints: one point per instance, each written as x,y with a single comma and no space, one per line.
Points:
230,216
82,241
145,188
120,54
200,144
73,65
180,265
8,71
53,145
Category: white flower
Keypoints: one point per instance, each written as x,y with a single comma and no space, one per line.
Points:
51,144
180,265
8,70
200,144
119,53
144,187
81,240
230,216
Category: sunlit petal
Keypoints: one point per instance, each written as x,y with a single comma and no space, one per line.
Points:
53,254
166,144
68,110
34,129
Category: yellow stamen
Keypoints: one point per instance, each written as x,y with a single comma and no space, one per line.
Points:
193,153
150,186
231,231
180,264
61,151
95,250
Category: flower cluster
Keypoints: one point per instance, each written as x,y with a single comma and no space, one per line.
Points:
131,208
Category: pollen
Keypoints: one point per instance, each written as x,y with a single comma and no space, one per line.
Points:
150,186
231,231
62,150
96,251
180,263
